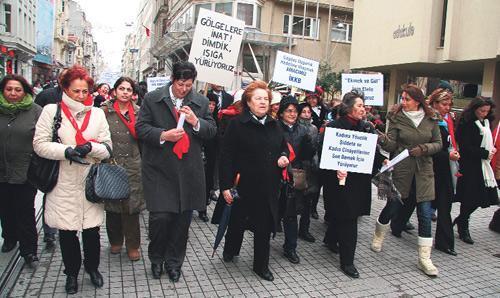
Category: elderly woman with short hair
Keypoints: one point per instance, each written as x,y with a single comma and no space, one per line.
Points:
253,146
18,115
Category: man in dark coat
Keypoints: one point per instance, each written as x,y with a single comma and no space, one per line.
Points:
172,165
224,99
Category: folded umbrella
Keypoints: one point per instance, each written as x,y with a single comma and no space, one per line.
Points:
224,220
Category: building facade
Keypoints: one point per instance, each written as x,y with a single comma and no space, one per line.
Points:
17,37
319,30
446,39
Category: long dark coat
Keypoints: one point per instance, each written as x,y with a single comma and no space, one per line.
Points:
172,184
403,135
126,153
253,150
441,164
355,198
470,186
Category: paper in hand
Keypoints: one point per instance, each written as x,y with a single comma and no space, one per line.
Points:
404,154
180,123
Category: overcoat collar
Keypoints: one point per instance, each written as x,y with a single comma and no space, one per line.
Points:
189,100
246,116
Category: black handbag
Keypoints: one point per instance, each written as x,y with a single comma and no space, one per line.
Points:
43,173
107,182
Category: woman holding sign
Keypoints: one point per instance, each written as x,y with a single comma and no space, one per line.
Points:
349,201
477,186
413,126
253,146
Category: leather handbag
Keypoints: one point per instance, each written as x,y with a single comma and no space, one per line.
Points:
43,173
107,181
299,179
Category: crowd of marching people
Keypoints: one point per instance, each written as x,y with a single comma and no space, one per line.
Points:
258,148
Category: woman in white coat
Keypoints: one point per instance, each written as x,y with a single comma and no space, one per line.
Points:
82,133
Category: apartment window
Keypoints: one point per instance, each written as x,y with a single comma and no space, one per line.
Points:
8,24
249,64
224,8
257,21
245,13
443,23
62,5
197,10
310,28
341,32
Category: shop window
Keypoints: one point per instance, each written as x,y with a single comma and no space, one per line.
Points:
249,64
309,30
341,32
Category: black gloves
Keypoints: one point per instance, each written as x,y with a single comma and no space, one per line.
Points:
73,155
84,149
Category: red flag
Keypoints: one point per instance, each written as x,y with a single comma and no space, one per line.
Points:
148,32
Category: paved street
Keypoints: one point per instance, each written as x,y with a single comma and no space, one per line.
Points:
392,273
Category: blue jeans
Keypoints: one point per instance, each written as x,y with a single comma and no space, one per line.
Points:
399,214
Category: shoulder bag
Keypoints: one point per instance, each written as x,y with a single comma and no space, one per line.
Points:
107,181
43,173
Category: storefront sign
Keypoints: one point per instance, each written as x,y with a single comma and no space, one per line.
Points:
216,47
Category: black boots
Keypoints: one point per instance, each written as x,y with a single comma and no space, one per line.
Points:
71,284
463,230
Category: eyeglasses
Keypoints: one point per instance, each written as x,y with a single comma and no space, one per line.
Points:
84,92
291,111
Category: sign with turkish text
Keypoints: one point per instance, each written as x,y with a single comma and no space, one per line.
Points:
372,85
295,71
348,150
156,82
216,46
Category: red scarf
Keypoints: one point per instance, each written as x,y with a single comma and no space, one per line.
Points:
230,111
131,114
451,130
291,158
80,140
182,145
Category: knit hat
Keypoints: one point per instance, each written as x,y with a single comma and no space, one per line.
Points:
286,101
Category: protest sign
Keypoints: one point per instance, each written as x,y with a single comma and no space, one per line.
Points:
372,86
156,82
348,150
295,71
216,46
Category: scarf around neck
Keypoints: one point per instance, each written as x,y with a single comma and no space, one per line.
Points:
486,143
7,107
74,110
415,116
129,123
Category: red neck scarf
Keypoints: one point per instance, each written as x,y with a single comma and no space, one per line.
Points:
451,130
291,158
182,145
80,140
131,114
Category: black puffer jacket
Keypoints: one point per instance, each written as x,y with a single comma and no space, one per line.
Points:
300,140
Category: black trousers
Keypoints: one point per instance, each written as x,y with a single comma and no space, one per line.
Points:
344,232
168,234
444,229
17,215
262,233
71,253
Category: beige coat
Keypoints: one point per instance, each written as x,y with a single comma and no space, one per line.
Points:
66,207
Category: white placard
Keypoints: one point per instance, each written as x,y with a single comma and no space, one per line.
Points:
348,150
216,46
156,82
295,71
180,123
372,86
404,154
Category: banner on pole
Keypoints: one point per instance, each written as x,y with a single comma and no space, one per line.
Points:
348,150
216,46
372,85
295,71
